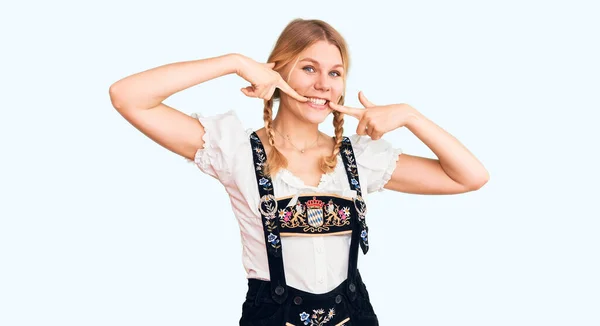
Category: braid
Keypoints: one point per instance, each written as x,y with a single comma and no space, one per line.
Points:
328,163
275,160
268,117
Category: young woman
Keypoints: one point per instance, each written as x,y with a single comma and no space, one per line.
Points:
297,193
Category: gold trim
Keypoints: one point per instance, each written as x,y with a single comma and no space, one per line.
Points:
288,234
340,323
317,194
288,324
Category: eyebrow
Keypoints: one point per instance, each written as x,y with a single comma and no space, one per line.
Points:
317,62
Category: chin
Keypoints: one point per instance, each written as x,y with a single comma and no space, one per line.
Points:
314,114
315,118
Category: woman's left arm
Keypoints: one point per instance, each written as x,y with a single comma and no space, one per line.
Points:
456,169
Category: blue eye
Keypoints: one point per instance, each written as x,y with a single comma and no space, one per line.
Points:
308,67
334,73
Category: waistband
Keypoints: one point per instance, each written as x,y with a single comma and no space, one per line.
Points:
260,291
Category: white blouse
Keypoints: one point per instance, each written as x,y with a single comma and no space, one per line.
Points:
315,264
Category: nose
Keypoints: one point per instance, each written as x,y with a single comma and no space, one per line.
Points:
323,83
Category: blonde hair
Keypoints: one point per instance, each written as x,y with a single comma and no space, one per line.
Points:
298,35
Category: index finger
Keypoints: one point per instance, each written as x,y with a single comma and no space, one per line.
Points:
290,91
357,113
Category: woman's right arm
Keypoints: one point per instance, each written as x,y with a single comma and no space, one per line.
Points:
138,98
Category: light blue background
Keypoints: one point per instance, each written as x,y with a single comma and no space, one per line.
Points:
101,226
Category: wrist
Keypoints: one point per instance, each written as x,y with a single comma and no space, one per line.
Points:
237,62
413,117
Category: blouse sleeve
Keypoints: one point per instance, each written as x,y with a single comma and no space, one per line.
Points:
376,160
224,137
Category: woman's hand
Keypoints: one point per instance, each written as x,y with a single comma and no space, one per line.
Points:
377,120
264,80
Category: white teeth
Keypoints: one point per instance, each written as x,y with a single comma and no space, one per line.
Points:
317,101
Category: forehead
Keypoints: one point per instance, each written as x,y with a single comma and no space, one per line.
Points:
325,53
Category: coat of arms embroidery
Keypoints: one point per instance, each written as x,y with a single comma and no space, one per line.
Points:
314,215
314,211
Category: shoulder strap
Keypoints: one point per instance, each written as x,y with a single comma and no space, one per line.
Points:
352,172
360,229
268,210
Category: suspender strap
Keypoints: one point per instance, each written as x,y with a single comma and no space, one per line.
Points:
268,211
359,203
360,229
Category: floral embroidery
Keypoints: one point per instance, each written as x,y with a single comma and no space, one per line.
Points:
264,182
272,239
268,208
344,213
363,235
260,162
314,216
268,204
285,215
304,316
318,317
359,203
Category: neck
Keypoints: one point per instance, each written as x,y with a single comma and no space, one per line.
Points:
302,133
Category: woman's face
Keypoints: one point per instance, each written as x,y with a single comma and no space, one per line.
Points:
319,75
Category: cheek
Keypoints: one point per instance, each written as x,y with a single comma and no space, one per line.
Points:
338,91
298,81
302,86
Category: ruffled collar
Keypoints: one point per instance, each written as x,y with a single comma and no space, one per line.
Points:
325,184
294,181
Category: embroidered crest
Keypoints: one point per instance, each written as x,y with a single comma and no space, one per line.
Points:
314,211
298,217
335,215
314,215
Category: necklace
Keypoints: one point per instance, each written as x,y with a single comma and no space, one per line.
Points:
301,150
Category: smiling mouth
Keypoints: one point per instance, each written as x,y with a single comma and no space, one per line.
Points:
317,101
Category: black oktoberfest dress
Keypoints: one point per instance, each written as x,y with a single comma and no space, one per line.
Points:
300,243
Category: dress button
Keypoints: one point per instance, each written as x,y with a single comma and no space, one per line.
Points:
279,290
338,299
297,301
319,250
352,287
